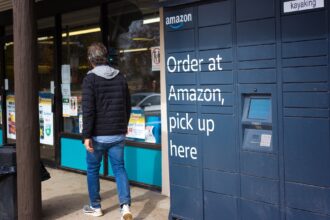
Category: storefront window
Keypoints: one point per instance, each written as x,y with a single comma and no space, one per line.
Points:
80,29
134,49
133,45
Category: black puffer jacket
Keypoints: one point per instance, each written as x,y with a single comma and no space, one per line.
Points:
106,102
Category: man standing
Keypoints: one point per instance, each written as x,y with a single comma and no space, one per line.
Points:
106,110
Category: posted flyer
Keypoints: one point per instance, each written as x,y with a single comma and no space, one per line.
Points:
46,121
136,125
11,121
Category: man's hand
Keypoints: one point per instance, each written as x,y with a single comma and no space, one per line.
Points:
88,145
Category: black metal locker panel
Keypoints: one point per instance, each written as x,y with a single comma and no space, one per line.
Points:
225,77
218,206
306,154
208,14
256,32
304,50
221,182
179,41
308,198
219,36
258,210
305,74
258,52
257,75
260,189
294,214
304,26
259,164
247,10
218,152
186,203
191,177
257,64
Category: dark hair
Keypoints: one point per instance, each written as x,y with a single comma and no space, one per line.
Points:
97,54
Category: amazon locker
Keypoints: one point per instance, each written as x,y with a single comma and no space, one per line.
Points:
247,85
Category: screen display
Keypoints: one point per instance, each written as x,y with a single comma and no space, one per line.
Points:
260,108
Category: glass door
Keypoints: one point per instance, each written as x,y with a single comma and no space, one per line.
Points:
45,67
45,62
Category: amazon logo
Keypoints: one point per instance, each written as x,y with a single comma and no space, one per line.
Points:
178,21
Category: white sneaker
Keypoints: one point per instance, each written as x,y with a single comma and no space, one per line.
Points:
126,213
96,212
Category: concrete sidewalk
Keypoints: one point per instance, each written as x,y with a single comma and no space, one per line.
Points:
64,195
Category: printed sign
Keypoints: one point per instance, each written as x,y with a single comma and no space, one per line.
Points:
136,125
73,106
66,90
155,58
11,121
66,73
80,123
46,121
301,5
52,87
153,129
66,107
70,106
265,140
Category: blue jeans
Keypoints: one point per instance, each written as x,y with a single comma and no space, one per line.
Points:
116,157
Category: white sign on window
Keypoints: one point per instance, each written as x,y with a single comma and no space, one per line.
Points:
46,121
66,73
66,107
155,58
73,106
80,123
70,106
11,121
66,90
301,5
